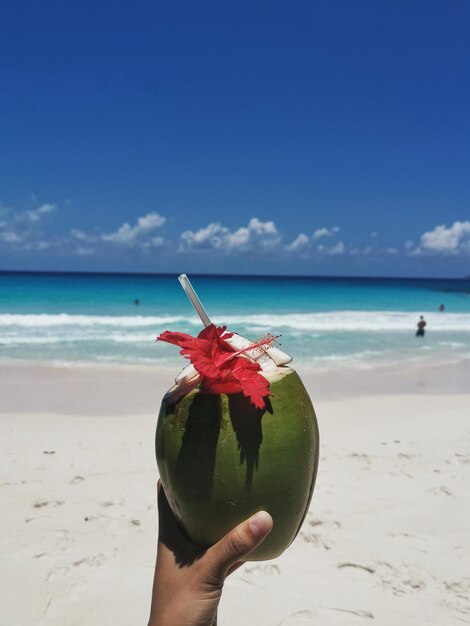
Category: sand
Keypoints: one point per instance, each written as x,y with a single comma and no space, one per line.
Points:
386,540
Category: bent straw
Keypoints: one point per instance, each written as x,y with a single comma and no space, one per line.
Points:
192,295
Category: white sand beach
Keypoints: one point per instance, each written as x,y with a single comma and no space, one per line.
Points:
386,541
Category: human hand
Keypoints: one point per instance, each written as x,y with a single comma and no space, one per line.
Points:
188,580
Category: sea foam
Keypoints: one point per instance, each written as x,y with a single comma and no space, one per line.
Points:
336,321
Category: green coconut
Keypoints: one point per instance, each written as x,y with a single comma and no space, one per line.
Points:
221,460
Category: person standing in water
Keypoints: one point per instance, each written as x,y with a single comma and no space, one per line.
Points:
421,324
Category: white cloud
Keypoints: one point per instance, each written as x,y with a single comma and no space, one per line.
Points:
35,214
325,232
150,221
450,240
25,218
140,234
22,228
81,235
299,242
215,236
10,237
25,230
42,245
208,237
130,235
374,234
238,239
262,228
157,241
339,248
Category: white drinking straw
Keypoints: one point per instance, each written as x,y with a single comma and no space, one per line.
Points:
279,357
192,295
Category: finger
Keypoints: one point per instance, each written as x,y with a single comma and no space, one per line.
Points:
238,543
234,567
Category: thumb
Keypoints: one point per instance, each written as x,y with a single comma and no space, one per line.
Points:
238,543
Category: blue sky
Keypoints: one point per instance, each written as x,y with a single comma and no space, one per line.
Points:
304,137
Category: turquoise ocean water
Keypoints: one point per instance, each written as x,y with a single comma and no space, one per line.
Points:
324,322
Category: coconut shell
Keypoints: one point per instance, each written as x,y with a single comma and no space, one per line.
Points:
221,460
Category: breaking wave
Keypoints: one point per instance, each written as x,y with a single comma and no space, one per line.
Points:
335,321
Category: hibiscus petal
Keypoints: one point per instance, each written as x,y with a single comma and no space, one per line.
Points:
221,369
177,339
254,385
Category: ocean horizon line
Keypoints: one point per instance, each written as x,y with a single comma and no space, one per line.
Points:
234,275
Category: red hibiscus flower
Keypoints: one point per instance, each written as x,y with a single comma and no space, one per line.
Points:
221,369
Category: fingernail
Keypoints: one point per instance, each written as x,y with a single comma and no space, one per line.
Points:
260,524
